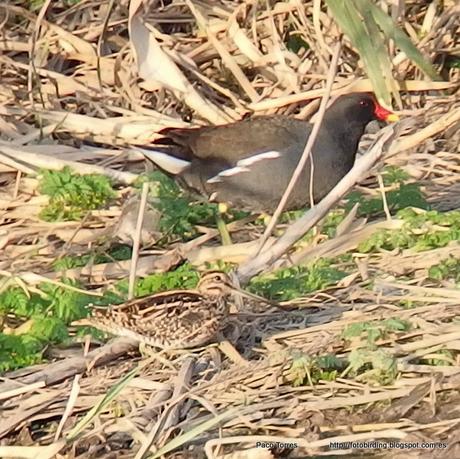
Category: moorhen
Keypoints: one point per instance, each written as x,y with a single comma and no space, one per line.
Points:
248,164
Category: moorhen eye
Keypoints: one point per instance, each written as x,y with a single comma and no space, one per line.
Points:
248,164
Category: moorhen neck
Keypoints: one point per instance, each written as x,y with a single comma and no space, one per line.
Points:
248,164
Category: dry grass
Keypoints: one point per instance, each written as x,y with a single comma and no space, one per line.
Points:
68,75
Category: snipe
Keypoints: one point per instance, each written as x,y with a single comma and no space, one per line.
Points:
176,319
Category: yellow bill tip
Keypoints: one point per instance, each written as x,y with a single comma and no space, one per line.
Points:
392,117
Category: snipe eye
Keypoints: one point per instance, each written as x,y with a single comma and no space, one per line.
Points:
364,103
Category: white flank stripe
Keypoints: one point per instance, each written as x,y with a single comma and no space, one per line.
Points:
166,162
259,157
243,165
227,173
233,171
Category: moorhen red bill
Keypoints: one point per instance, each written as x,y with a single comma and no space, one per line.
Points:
248,164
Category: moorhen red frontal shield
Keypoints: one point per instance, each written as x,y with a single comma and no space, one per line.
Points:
248,164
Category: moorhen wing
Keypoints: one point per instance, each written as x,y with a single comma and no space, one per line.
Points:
248,164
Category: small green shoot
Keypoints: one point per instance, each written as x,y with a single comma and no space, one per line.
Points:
310,370
47,313
116,253
367,361
293,282
372,365
445,357
19,351
179,213
371,332
35,5
421,231
111,395
448,269
73,195
184,277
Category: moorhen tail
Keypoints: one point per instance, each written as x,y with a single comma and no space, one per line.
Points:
248,164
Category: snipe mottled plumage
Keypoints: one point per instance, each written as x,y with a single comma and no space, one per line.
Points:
175,319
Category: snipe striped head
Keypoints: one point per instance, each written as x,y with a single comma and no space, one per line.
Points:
215,284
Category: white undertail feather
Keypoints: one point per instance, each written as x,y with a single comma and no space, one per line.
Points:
243,165
166,162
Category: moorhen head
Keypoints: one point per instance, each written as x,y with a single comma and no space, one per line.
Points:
248,164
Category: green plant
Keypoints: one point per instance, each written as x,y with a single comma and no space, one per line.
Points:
444,357
47,315
179,215
446,269
63,303
49,330
367,361
421,231
184,277
375,330
394,175
369,29
115,253
372,364
58,302
332,221
290,283
400,197
72,195
309,370
19,351
37,4
57,306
